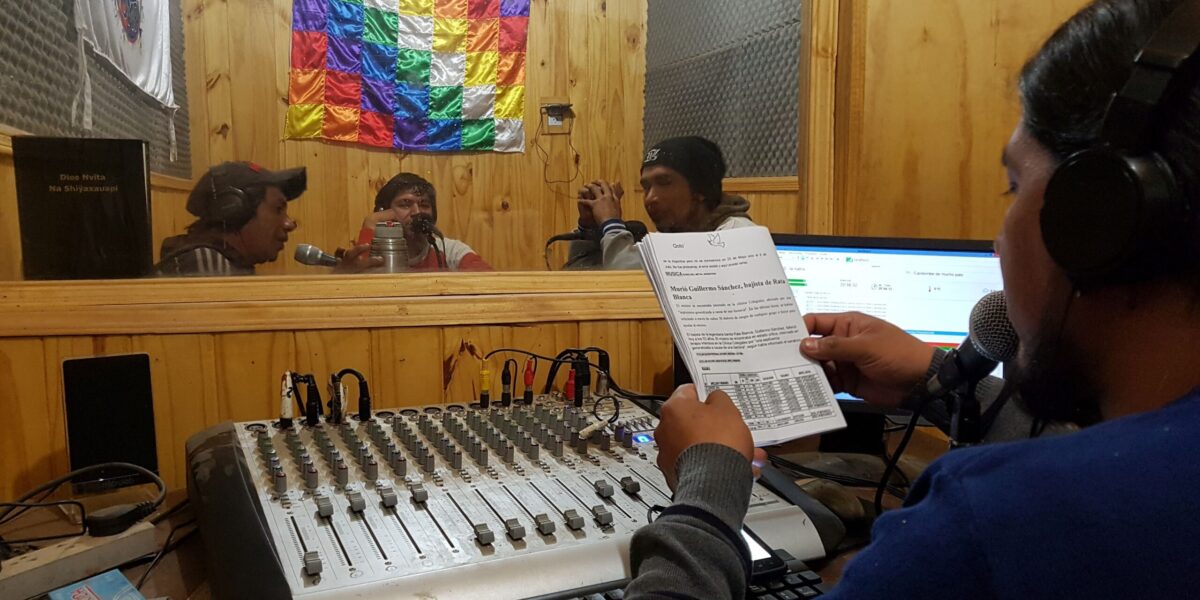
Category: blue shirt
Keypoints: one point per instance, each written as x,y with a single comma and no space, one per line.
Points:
1112,511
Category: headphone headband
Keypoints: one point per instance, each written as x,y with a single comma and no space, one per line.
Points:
229,203
1162,71
1115,213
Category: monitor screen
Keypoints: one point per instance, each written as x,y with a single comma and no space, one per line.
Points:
926,287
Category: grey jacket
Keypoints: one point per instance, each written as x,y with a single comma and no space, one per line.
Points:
613,247
697,554
690,554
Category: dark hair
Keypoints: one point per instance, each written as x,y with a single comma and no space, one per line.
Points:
406,182
1065,88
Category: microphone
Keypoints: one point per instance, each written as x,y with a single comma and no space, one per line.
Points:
423,224
991,340
638,229
309,254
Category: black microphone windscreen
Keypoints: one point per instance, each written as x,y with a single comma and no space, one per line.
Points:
424,224
991,332
638,229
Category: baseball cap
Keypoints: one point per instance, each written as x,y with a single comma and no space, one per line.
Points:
245,176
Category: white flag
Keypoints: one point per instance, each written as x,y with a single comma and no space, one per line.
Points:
133,35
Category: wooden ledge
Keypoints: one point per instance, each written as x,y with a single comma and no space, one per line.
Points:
750,185
138,307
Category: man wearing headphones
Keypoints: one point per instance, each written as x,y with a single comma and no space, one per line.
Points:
242,221
1100,252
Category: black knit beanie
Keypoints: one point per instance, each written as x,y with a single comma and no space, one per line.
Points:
699,160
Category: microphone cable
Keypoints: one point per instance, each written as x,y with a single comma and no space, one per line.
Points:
438,254
885,480
846,480
643,401
571,236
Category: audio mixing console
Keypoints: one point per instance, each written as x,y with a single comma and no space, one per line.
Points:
443,502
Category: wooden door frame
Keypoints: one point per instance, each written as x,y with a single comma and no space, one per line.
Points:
830,107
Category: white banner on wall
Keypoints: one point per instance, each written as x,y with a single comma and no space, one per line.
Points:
135,37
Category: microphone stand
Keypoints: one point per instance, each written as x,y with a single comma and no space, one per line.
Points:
441,258
965,427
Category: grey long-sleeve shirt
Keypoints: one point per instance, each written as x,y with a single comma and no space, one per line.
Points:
697,552
684,555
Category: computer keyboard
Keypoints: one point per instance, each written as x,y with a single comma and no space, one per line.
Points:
795,585
799,583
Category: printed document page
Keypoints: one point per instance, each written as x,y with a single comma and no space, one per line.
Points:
737,326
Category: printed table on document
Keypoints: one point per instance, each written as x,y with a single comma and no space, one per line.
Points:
782,397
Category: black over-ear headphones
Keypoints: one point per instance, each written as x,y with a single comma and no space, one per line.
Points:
1115,213
230,204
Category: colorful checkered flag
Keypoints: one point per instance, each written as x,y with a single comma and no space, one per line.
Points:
418,75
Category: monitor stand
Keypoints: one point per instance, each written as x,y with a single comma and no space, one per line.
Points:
856,451
863,435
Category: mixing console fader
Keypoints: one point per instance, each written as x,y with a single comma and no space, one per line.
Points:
439,502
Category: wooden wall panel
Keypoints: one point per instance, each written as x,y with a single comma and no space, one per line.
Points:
408,366
205,371
819,109
931,100
328,351
31,442
10,228
779,211
657,349
625,366
463,349
167,219
248,368
183,375
202,379
590,53
907,108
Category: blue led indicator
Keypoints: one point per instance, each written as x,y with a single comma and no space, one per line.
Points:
643,438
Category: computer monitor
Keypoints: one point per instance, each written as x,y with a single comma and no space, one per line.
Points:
926,287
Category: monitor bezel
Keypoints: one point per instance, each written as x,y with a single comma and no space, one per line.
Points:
880,243
883,243
864,421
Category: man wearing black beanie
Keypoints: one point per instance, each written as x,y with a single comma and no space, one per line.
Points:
681,178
